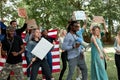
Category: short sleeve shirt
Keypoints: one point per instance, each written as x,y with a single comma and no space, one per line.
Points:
12,46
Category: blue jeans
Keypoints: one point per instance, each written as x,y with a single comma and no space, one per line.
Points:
49,60
45,69
28,62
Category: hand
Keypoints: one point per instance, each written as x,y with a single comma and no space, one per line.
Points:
107,58
3,53
104,51
82,56
117,51
26,18
0,53
33,59
15,53
77,45
101,56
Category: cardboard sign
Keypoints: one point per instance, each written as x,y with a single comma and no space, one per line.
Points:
31,24
98,19
22,12
42,48
79,15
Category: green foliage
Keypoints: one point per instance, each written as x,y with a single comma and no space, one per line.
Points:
56,13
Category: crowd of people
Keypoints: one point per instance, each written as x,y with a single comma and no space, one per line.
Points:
72,48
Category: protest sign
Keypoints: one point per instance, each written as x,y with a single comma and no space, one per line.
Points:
22,12
79,15
31,24
98,19
42,48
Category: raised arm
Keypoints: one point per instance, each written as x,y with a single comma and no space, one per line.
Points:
93,39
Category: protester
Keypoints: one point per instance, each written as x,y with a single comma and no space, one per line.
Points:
12,48
1,35
97,56
117,53
19,31
36,61
102,34
29,34
2,31
83,47
63,53
72,48
49,54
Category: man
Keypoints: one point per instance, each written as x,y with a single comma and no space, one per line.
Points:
18,31
83,47
49,55
12,48
72,48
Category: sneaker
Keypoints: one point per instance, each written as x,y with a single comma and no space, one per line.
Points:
52,78
77,78
28,78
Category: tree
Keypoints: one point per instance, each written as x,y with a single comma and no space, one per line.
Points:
109,9
56,13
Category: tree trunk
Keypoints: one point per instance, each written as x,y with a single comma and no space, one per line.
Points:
108,34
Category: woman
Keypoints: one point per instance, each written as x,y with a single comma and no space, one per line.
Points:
36,61
27,52
97,56
117,54
63,53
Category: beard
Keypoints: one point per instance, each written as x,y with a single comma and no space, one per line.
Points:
74,31
10,35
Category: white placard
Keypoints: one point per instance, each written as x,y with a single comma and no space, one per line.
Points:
42,48
79,15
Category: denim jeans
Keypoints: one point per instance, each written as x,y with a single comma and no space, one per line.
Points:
28,62
49,60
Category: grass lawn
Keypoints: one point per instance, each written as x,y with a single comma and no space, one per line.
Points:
111,68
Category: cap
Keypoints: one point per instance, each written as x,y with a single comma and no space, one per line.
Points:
10,28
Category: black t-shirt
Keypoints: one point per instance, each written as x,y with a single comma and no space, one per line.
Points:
16,47
50,39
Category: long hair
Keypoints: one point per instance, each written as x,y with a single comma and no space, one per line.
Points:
71,24
94,28
33,33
